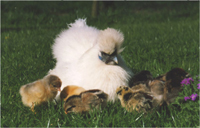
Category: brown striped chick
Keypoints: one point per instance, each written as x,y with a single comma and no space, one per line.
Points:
171,84
40,91
157,90
69,91
86,101
136,98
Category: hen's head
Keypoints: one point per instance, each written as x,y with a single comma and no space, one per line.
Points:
109,42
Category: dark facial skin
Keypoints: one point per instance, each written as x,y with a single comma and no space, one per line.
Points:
108,58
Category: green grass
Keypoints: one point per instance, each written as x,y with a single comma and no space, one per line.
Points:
158,37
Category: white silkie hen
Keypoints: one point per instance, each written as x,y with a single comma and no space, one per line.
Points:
89,58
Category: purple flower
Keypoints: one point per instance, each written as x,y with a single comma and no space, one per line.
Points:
186,98
198,85
186,81
193,97
190,79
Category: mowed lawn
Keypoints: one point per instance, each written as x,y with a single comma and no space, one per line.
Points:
159,36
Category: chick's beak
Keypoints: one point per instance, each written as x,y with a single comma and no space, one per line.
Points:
58,89
188,75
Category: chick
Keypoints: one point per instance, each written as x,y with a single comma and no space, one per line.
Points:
166,87
136,98
157,90
69,91
142,76
173,84
86,101
161,77
144,82
40,91
141,86
146,93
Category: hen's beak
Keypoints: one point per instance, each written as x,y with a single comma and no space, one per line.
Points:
112,60
115,60
108,59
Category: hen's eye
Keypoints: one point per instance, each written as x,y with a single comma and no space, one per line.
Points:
104,54
54,86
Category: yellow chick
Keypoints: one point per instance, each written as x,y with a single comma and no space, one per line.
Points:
86,101
69,91
40,91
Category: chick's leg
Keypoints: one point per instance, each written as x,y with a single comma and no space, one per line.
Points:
32,107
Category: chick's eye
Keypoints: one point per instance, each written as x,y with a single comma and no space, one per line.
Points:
54,86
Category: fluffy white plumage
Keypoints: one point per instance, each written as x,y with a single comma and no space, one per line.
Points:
77,52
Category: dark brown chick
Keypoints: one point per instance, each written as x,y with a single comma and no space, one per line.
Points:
86,101
40,91
143,76
173,84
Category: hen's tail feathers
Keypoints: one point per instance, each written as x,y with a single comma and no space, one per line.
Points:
78,23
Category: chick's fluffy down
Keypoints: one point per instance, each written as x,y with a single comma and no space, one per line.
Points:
76,51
